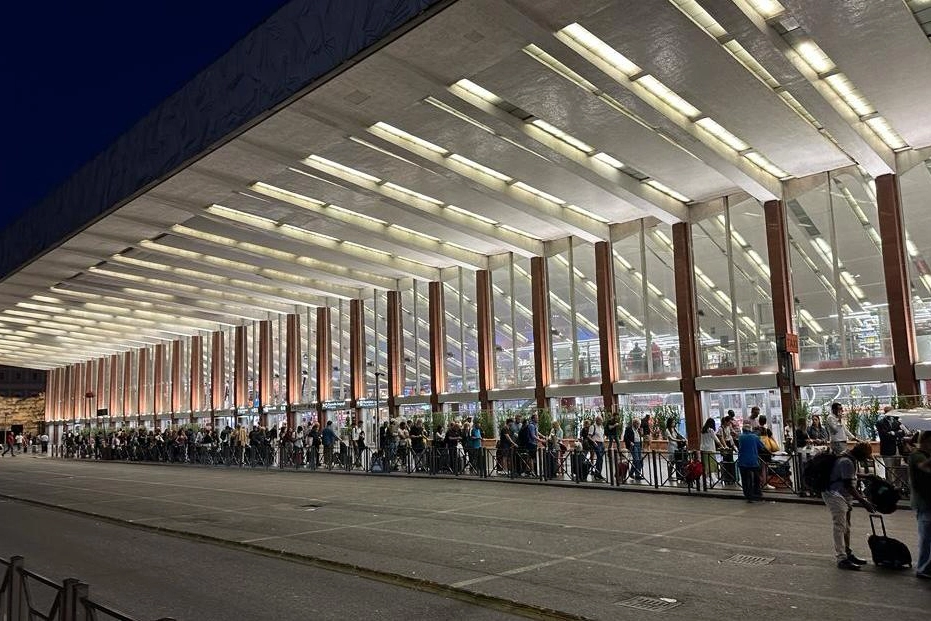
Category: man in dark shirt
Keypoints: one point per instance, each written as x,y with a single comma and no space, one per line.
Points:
838,499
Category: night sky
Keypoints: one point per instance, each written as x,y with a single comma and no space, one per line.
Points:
78,74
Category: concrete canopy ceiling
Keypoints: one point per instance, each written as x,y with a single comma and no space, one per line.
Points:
319,201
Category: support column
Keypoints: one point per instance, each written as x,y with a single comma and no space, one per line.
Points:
127,383
356,353
895,268
142,375
266,369
324,362
217,366
395,352
437,318
688,328
175,379
69,393
607,321
777,246
542,349
114,393
49,396
293,365
484,307
240,367
158,378
196,379
100,367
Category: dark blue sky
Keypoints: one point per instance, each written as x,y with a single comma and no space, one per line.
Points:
78,74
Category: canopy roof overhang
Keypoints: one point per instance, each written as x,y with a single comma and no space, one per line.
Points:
479,128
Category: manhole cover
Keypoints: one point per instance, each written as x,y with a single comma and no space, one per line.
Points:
745,559
653,604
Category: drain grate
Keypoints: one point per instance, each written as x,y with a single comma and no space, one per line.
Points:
746,559
653,604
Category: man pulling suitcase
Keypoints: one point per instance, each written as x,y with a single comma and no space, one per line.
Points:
838,493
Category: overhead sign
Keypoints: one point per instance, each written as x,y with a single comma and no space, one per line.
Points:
335,405
367,403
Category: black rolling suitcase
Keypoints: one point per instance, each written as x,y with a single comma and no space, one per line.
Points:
581,466
887,552
550,462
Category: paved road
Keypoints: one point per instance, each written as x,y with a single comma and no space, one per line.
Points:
577,550
149,575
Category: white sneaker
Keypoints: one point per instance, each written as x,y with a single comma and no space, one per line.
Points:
768,486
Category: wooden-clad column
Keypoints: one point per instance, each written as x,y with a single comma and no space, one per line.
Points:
607,322
142,382
780,282
688,328
437,318
542,350
484,307
240,368
217,371
128,381
293,365
324,362
175,379
100,381
266,368
158,378
895,268
196,375
357,353
49,396
395,351
69,391
114,393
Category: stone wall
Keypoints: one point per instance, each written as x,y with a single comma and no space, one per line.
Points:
25,411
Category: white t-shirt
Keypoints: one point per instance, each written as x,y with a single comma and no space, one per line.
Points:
707,441
836,429
596,433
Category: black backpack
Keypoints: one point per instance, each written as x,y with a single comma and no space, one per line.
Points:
523,437
817,473
884,497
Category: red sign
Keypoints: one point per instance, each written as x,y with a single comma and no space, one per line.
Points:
792,343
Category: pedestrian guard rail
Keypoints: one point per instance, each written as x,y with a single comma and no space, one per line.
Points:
612,467
28,596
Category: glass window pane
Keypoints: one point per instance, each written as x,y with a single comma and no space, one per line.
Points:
915,186
630,315
661,295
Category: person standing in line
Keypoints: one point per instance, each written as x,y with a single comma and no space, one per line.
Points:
633,441
329,439
613,431
755,419
749,446
835,425
919,476
709,447
596,435
838,499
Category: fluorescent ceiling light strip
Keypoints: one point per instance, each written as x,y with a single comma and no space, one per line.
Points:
403,135
885,132
480,168
288,196
667,95
576,36
538,193
355,214
482,93
316,159
701,17
609,160
745,58
715,129
766,165
653,183
241,216
590,214
767,8
512,229
415,233
471,214
563,136
412,193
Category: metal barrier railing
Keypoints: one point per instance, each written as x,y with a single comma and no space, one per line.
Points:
68,601
616,466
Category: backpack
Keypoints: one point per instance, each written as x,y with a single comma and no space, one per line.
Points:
881,494
523,436
817,473
693,471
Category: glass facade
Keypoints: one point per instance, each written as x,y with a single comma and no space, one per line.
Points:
415,312
644,285
513,318
376,345
733,295
915,185
837,273
574,314
461,331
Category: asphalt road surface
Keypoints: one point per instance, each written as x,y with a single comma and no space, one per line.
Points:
582,551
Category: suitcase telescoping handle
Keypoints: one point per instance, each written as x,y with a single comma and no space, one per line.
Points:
882,522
